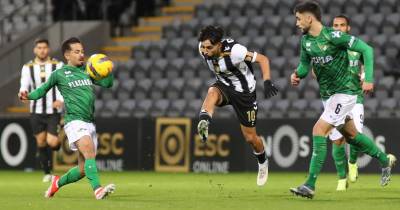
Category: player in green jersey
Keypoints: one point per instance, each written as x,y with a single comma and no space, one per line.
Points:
77,89
325,50
342,23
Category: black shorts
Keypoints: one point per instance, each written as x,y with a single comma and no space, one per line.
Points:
45,122
244,104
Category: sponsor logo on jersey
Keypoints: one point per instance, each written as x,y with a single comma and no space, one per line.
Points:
80,82
322,59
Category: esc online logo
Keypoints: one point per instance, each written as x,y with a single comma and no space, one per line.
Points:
10,159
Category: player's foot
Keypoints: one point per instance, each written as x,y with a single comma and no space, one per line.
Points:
202,129
386,172
262,176
53,188
353,172
342,185
47,178
103,192
303,191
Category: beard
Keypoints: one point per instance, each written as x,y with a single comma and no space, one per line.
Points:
305,30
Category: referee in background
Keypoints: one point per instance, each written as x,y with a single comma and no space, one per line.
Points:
45,112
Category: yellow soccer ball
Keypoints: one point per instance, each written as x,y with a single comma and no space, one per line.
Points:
99,66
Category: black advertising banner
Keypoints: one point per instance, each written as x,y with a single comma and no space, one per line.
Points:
172,144
17,144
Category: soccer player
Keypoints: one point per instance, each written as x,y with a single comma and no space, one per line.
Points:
231,63
342,23
325,50
77,89
45,112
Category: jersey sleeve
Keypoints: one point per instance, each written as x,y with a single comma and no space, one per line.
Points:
25,80
304,66
352,43
106,82
43,89
238,53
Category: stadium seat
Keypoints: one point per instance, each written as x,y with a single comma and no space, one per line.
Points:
154,52
123,95
176,108
201,11
142,108
351,7
370,106
186,31
374,24
217,11
126,108
268,8
110,108
193,108
234,11
159,108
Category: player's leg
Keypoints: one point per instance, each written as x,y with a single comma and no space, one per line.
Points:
52,140
338,106
367,146
358,118
339,157
258,146
38,125
87,145
214,98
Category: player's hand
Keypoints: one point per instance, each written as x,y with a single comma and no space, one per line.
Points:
23,96
57,104
294,79
269,89
367,87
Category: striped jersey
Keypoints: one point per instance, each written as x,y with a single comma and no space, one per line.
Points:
231,68
33,75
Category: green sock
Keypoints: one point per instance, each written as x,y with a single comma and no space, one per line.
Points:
367,146
339,156
71,176
317,159
91,173
353,154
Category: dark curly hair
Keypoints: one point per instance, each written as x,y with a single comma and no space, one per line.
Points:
212,33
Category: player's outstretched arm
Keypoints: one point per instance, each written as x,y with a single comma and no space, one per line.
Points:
269,88
106,82
43,89
368,64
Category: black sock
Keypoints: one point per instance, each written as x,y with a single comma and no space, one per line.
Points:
261,157
205,116
44,159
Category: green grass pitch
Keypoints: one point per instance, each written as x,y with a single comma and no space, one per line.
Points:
152,191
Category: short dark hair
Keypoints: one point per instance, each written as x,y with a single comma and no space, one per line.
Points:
309,6
41,40
66,45
212,33
344,17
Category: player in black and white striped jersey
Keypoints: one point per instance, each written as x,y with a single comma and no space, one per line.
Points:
45,112
231,63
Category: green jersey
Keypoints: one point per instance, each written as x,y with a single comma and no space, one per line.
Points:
76,87
355,67
327,55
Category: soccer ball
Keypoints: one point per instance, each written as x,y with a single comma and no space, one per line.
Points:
99,66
